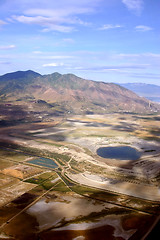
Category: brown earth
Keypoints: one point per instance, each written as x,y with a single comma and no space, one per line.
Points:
69,93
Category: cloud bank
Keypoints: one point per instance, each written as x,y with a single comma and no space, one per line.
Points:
110,26
142,28
134,5
7,47
52,15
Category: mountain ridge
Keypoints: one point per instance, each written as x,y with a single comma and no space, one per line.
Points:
150,91
19,75
71,93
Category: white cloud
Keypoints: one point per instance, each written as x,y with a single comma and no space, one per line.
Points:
134,5
110,26
57,12
54,23
124,55
153,55
136,56
142,28
58,28
115,67
68,40
51,56
49,24
53,16
7,47
2,22
37,52
53,65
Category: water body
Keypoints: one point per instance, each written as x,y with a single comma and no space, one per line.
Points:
45,162
121,153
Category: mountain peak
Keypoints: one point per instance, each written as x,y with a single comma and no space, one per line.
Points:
56,75
70,93
19,75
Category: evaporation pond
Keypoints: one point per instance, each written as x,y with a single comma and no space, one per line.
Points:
45,162
121,153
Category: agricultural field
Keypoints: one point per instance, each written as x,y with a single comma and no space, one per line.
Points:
55,185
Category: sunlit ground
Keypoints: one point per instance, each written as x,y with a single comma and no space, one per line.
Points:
55,186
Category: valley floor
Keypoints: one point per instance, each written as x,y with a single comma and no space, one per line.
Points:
54,184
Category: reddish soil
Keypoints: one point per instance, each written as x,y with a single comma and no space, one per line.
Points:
22,228
134,221
101,233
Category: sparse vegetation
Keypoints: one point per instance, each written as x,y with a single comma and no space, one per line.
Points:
83,136
61,187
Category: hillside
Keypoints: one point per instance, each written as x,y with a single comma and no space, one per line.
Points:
70,94
19,75
149,91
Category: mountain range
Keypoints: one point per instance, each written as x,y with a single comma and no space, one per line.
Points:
68,93
150,91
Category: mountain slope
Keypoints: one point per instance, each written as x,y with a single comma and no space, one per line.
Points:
19,75
149,91
16,82
70,93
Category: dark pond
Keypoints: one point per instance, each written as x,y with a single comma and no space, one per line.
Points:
45,162
122,153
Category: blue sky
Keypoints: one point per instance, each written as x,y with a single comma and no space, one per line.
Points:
102,40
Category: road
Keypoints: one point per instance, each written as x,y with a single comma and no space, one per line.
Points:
28,206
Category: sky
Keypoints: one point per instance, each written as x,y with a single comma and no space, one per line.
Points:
103,40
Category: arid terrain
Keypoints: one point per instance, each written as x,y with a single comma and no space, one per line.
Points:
79,120
54,185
